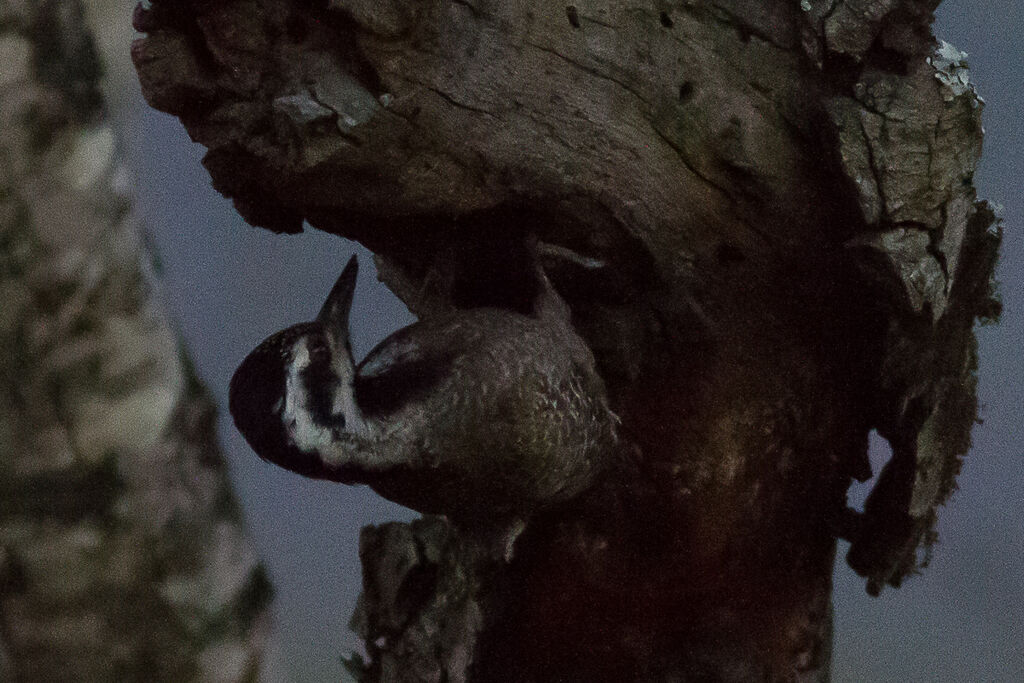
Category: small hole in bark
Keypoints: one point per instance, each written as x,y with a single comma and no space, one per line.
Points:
728,255
666,20
415,111
685,91
574,15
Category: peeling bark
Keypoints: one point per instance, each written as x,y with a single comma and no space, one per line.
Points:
795,256
122,552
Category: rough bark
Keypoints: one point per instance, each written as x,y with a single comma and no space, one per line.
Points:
122,552
781,193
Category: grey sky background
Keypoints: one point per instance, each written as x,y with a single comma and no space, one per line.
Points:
230,285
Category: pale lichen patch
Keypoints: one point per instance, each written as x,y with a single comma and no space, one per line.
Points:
951,70
91,156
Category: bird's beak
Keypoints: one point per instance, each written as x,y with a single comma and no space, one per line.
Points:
335,311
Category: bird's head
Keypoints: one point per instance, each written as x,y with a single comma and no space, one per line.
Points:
292,397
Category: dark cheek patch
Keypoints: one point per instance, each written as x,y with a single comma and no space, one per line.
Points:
319,385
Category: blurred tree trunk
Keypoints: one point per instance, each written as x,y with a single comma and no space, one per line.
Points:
122,552
781,191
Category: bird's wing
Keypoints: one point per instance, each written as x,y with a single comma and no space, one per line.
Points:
400,371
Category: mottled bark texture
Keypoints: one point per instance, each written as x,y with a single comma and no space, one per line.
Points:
781,192
122,553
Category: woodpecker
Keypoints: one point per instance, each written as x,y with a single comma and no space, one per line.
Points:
484,415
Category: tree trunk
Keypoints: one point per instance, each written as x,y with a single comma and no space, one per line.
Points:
122,552
781,195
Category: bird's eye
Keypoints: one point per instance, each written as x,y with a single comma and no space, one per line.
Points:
319,354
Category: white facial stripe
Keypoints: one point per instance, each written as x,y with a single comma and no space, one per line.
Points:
300,355
307,436
344,402
305,433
